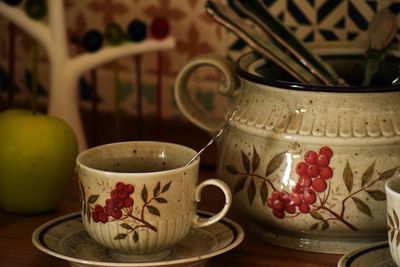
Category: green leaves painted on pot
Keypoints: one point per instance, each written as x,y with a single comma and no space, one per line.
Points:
366,183
348,177
361,189
264,193
388,174
256,160
393,225
144,194
232,169
245,162
361,206
367,174
379,195
323,224
251,191
316,215
314,226
275,163
239,184
376,195
249,166
251,163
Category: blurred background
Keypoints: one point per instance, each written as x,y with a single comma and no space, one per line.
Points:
313,21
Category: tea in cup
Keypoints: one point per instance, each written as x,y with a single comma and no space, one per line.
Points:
138,199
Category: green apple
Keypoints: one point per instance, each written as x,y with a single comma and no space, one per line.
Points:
37,160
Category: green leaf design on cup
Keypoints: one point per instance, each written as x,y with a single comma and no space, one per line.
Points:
393,224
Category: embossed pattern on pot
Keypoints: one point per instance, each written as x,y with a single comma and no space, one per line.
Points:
345,122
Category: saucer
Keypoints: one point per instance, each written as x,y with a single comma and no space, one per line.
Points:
375,255
66,238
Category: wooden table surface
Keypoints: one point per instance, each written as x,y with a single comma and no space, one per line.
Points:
16,249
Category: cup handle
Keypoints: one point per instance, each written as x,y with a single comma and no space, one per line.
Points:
201,222
185,103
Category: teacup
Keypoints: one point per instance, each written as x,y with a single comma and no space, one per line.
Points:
392,187
139,198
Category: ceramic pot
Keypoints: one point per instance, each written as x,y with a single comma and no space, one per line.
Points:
306,163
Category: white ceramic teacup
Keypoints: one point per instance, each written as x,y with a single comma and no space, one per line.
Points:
139,198
392,187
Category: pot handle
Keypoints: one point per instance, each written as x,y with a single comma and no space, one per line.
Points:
197,221
230,84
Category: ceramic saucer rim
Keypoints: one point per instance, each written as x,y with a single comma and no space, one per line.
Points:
351,256
230,224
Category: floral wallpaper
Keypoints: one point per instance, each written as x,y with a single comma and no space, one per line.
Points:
195,33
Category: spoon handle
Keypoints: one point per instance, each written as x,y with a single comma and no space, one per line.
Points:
218,134
257,11
230,20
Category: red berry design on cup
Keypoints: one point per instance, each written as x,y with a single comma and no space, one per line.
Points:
114,204
304,208
295,198
290,208
119,206
313,172
279,214
309,196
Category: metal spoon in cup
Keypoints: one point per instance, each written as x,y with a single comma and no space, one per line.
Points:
217,134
